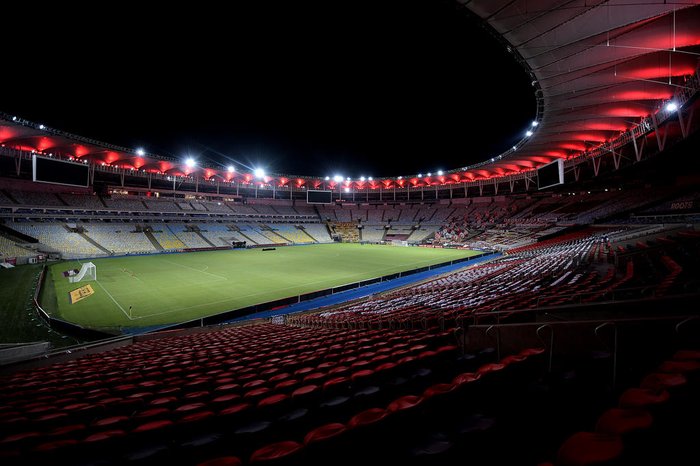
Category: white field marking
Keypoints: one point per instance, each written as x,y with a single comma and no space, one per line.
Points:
196,270
114,300
251,294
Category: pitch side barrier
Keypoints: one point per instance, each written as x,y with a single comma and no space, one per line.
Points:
271,305
60,325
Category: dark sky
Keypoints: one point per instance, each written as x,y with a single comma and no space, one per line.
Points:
313,88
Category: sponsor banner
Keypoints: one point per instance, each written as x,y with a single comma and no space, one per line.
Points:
81,293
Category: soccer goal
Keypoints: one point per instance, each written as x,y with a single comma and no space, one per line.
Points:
87,272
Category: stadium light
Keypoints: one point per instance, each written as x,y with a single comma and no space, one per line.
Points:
328,178
140,152
42,127
259,173
671,106
231,169
370,178
362,178
440,172
347,179
535,123
430,174
347,190
528,133
190,162
400,178
337,178
420,175
515,148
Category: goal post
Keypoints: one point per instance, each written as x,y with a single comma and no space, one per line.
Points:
87,272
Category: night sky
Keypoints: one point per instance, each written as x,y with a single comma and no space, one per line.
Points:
357,88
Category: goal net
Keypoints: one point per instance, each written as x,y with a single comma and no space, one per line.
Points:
87,272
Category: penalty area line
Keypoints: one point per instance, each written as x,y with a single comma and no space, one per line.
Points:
114,300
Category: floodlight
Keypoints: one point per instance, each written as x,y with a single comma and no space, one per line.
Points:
440,172
140,152
671,106
528,133
190,162
337,178
231,169
362,178
535,123
259,173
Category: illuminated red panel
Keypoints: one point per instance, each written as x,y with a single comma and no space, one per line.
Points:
317,183
644,95
571,146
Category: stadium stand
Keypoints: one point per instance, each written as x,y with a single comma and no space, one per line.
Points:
119,238
37,198
124,203
9,248
57,236
189,238
82,200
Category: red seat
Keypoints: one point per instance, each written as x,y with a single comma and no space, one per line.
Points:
660,381
275,452
466,378
305,391
439,389
110,421
55,445
620,421
153,426
235,409
104,436
404,403
324,432
222,461
367,417
641,397
682,367
584,448
273,400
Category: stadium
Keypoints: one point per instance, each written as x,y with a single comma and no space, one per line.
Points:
537,307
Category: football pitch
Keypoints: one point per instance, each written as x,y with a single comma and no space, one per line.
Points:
140,291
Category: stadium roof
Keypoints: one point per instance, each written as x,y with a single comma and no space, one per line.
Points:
599,70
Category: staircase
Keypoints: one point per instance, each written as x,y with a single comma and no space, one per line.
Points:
95,243
204,238
153,241
300,228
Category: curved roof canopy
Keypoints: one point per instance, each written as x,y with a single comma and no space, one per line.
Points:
598,68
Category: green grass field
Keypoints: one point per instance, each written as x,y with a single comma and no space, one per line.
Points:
163,289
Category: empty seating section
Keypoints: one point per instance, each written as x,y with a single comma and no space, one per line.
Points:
318,232
219,207
247,385
517,281
37,198
285,210
89,201
5,200
9,248
305,210
165,237
423,233
243,209
57,236
252,233
372,233
191,239
375,216
263,209
124,203
184,205
348,231
119,238
161,206
291,233
219,234
198,206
